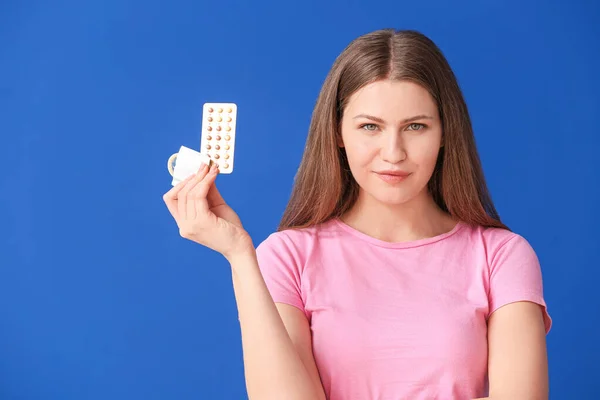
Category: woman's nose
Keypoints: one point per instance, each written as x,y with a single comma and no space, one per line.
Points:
393,149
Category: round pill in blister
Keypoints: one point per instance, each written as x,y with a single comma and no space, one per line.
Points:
216,156
210,109
229,118
208,146
227,128
226,156
227,137
220,110
219,119
218,128
218,137
226,147
225,165
209,137
209,128
217,147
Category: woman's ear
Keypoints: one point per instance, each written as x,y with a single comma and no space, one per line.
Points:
338,136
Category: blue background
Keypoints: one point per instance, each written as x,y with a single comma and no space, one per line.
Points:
99,296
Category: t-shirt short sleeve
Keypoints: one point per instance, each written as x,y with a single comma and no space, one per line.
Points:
281,267
515,275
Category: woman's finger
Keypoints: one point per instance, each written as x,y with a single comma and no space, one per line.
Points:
183,200
214,196
170,198
200,191
196,197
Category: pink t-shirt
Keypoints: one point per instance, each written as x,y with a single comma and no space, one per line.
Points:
405,320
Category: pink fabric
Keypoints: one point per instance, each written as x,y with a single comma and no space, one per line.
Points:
403,320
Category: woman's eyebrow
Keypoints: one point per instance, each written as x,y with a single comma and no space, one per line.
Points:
404,121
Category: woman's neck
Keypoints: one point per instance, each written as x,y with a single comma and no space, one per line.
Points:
416,219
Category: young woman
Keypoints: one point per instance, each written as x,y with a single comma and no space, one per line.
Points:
391,275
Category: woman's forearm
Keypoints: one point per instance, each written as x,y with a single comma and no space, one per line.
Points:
273,368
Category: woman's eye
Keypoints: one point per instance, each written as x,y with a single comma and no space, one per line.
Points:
369,127
416,127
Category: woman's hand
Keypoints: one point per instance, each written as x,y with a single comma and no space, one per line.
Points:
203,216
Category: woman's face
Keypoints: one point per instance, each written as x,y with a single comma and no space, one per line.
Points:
392,134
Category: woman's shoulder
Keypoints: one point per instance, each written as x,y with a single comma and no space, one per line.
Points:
494,236
291,248
299,237
496,241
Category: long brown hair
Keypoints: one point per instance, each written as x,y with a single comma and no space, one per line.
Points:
324,187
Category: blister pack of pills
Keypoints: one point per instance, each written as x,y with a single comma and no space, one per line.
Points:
218,134
217,143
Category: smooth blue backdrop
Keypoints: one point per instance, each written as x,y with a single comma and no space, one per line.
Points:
99,296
